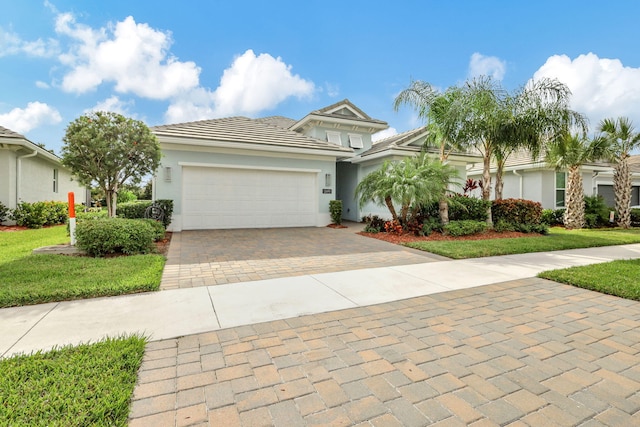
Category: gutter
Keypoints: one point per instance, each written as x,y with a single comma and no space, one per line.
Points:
19,172
515,172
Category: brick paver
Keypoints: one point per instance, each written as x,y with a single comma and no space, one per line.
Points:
529,352
217,257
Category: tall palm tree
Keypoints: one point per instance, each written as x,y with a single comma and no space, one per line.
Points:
438,110
622,139
570,152
497,122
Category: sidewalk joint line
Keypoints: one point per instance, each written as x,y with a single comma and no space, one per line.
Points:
30,329
215,313
313,276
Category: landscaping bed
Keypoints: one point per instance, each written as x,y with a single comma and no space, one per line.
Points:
410,238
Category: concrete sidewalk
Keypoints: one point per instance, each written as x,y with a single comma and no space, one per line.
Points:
180,312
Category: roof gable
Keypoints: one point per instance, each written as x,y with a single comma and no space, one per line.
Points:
343,114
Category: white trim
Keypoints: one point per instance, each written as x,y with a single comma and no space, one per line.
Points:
355,140
334,137
263,168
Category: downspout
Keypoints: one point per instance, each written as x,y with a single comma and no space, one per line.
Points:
19,173
594,179
515,172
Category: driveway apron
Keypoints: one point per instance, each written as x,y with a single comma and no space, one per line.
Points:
216,257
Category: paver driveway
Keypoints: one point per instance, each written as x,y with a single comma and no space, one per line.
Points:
216,257
522,353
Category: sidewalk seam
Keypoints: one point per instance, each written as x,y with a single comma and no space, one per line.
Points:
29,330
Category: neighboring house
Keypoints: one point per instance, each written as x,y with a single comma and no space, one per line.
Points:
526,178
275,172
30,173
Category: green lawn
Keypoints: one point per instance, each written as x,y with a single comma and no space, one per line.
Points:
620,278
557,239
33,279
87,385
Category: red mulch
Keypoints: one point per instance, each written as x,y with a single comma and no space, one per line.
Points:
407,238
337,226
11,228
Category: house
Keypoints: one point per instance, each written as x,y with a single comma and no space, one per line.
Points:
531,179
239,172
30,173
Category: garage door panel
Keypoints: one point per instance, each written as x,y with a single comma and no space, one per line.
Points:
241,198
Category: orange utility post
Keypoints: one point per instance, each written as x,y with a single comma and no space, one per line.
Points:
72,218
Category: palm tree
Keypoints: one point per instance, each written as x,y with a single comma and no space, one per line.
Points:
570,152
498,123
410,183
437,109
377,187
622,139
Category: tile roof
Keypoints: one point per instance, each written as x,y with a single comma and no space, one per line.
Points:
246,131
279,121
394,141
339,103
8,133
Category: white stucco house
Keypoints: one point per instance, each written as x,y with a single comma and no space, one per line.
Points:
30,173
531,179
239,172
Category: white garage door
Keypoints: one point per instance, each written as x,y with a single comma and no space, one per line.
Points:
216,198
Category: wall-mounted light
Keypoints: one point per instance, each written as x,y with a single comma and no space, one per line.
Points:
327,180
167,174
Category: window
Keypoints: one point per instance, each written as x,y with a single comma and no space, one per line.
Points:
55,180
355,141
561,185
334,137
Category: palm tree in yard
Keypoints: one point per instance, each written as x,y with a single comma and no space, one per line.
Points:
570,152
622,139
410,183
438,110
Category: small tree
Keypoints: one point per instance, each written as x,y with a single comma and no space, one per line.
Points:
109,150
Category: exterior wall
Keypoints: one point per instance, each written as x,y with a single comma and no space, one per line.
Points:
36,180
173,158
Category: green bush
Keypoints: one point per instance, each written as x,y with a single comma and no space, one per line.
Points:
516,211
464,228
4,212
430,225
126,196
468,208
38,214
132,210
167,207
552,217
158,228
502,226
374,222
596,212
335,209
635,217
532,228
101,237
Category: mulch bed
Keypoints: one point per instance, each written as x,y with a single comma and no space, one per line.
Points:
408,238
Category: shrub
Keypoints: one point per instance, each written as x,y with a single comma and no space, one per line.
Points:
596,212
136,210
4,212
502,226
532,228
101,237
393,227
158,228
468,208
635,217
126,196
167,207
464,228
374,222
335,209
516,211
38,214
430,225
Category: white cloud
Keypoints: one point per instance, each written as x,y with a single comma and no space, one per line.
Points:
250,85
601,87
133,56
333,90
12,44
35,114
383,134
113,104
42,85
487,65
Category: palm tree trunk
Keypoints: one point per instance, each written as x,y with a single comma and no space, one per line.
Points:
443,210
486,184
392,209
574,213
499,181
622,190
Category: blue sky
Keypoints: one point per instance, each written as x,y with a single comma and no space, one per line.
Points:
167,62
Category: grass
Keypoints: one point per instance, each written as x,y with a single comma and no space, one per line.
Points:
619,278
558,239
34,279
90,384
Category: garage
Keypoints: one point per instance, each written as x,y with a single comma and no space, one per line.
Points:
234,197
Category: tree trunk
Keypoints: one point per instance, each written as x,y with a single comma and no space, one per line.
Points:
443,210
499,181
574,213
112,199
392,209
486,184
622,190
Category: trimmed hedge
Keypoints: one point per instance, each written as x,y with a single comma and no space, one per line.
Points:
39,214
516,211
101,237
136,210
464,228
463,208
